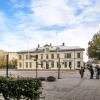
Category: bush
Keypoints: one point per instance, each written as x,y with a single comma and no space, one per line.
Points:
16,88
51,78
42,78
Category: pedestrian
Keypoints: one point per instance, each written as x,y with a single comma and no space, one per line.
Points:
81,71
90,68
97,71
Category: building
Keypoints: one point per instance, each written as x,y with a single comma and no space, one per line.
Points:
51,57
12,55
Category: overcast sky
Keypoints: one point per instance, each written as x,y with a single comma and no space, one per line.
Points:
26,23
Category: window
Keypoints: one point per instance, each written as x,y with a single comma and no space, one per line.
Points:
70,65
78,55
20,64
47,49
26,64
47,65
58,56
30,56
65,55
52,56
65,63
52,64
41,56
68,55
57,64
78,64
41,64
26,56
46,56
20,57
30,64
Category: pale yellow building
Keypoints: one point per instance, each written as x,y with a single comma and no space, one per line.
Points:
12,55
50,57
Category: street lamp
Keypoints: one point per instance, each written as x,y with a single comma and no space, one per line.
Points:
7,57
74,59
59,65
35,59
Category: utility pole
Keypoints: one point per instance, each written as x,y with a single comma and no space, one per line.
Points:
59,65
7,65
74,59
36,57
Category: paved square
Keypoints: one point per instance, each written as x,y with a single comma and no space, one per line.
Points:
69,87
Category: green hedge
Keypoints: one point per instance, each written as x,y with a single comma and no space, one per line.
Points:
17,88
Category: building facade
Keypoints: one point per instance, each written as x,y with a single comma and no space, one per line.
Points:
51,58
12,55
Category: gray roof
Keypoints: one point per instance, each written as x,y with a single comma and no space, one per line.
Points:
54,48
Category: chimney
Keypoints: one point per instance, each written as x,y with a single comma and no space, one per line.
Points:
50,44
63,44
38,46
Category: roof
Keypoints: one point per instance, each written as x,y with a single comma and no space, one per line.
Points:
51,48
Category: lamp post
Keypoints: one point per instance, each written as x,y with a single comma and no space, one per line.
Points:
7,65
36,69
35,58
74,59
59,65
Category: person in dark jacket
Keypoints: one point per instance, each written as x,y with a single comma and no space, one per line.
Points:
97,71
90,68
81,71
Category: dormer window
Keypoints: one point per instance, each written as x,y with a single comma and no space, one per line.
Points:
47,49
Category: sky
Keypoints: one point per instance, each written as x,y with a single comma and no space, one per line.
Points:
26,23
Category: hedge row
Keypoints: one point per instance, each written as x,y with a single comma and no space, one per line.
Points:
17,88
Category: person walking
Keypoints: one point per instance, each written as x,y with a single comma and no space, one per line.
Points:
90,68
81,71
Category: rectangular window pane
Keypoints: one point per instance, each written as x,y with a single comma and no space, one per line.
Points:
20,57
65,64
47,65
57,64
52,64
26,56
30,64
30,56
41,64
26,64
65,55
52,56
46,56
68,55
58,56
41,56
78,64
78,55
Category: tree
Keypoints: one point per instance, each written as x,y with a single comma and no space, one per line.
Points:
94,47
13,63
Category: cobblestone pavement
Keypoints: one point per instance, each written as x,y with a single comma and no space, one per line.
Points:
69,87
72,88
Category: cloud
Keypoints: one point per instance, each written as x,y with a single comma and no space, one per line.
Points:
52,12
37,21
